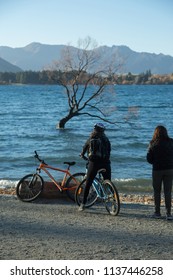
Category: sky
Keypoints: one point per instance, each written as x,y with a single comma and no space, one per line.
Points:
142,25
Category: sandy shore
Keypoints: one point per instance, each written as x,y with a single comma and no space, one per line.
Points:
54,229
145,198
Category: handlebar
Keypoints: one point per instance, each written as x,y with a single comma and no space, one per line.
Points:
100,171
42,161
70,163
39,159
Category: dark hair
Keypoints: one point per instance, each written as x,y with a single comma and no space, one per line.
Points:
96,133
98,130
160,132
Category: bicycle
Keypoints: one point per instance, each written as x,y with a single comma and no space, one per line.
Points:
31,186
101,189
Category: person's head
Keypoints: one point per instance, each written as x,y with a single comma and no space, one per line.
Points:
99,127
160,132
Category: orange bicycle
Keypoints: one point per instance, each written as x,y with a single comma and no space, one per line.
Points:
31,185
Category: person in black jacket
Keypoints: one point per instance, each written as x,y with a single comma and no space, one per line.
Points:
160,155
96,161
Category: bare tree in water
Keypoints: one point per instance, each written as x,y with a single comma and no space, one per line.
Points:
86,79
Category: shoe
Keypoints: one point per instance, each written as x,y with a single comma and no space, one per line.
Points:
169,217
156,215
81,207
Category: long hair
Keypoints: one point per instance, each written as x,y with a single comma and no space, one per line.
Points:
96,133
160,133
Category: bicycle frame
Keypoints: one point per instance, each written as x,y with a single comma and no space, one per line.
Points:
31,185
98,188
44,167
103,189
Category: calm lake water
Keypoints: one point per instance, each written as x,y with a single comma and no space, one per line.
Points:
28,119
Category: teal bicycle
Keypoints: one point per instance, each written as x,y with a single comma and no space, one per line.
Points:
101,190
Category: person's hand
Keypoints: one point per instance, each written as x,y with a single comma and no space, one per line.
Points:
83,156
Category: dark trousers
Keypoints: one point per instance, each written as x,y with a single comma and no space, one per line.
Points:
93,167
165,177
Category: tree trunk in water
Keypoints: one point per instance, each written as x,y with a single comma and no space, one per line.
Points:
63,121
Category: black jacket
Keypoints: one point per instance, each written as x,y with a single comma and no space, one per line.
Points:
160,154
106,143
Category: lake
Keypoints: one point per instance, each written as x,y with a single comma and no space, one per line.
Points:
29,115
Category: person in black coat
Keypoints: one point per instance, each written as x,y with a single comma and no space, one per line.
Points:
96,161
160,155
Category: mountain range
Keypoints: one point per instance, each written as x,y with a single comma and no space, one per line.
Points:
5,66
37,56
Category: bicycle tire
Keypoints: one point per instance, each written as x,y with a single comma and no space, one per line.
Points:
74,180
112,201
92,196
29,187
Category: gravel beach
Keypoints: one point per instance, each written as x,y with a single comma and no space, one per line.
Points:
53,229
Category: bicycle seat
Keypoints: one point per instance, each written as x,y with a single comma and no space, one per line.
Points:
102,170
70,163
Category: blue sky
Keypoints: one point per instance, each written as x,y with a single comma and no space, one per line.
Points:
142,25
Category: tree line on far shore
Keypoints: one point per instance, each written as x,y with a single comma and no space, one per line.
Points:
45,77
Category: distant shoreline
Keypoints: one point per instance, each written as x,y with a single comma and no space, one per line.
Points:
26,78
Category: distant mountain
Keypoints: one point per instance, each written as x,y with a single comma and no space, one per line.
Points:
137,63
5,66
34,56
37,57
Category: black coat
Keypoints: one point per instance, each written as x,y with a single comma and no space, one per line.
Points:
160,154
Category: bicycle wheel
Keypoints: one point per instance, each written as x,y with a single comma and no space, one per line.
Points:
29,187
92,196
72,183
112,201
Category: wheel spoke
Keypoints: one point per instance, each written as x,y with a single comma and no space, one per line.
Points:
91,198
112,202
29,187
72,183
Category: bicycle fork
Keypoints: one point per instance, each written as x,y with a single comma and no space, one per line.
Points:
33,181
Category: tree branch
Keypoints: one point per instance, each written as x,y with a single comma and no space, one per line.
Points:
98,117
